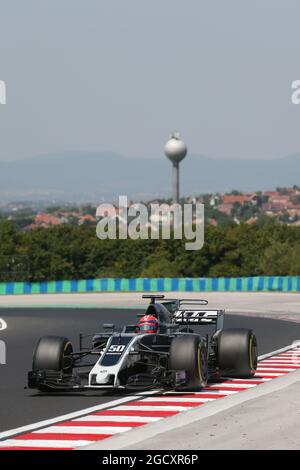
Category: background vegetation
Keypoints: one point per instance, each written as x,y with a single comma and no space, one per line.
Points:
71,252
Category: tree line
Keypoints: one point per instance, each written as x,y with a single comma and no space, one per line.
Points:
71,252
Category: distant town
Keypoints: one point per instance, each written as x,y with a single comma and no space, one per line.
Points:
235,207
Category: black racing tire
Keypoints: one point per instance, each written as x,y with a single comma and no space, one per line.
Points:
237,353
188,353
53,353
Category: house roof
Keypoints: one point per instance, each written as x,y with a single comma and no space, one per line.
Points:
241,198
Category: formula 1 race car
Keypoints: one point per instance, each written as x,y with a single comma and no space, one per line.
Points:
161,351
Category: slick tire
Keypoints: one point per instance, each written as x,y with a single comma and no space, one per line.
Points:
188,353
53,353
237,353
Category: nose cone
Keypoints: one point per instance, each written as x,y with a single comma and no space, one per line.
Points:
175,149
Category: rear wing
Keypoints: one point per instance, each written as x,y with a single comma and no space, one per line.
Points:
189,312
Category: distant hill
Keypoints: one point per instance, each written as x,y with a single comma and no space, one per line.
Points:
91,177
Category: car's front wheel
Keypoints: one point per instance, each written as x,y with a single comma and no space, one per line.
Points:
188,353
53,353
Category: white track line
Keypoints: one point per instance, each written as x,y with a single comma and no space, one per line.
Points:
276,369
277,364
175,399
268,375
68,444
118,419
280,351
83,430
216,386
152,408
3,324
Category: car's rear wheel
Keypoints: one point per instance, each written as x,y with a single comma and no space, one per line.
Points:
188,353
53,353
237,353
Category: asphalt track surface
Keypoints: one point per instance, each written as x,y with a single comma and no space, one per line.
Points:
19,406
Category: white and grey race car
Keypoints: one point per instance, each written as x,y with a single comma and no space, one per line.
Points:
176,356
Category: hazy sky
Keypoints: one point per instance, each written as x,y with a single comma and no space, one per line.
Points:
121,75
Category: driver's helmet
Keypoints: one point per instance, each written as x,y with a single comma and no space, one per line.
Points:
148,324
